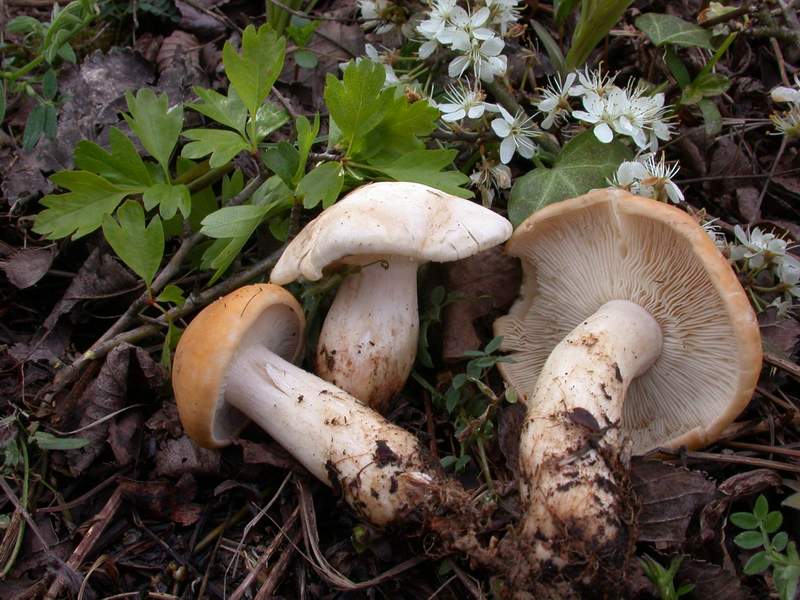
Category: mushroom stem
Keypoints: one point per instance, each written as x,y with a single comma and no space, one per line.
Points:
573,454
368,342
376,466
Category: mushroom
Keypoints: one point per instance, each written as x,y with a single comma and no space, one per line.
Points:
233,364
368,341
631,333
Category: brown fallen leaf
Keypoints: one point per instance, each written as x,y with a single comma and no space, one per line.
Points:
668,498
711,582
261,453
176,457
161,498
489,282
26,266
510,420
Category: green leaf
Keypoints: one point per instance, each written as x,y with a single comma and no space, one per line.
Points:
306,134
761,508
749,540
300,30
2,101
49,84
172,293
47,441
400,129
676,67
34,127
168,198
758,563
24,25
50,121
786,578
562,9
225,110
234,221
170,343
356,103
232,185
321,184
668,29
705,85
139,247
596,20
551,46
779,541
493,345
306,59
122,165
253,72
81,210
284,161
773,521
221,254
447,461
221,144
155,124
712,120
425,166
268,119
744,520
584,163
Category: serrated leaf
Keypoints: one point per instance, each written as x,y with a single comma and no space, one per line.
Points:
284,160
81,210
47,441
668,29
749,540
222,145
400,129
34,127
140,247
584,164
322,184
253,72
758,563
306,134
269,118
744,520
122,165
234,221
172,293
169,199
225,110
425,166
355,102
232,184
155,124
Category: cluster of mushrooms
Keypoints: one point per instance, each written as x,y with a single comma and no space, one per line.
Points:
631,332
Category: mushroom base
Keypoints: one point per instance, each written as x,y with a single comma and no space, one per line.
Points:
573,456
368,342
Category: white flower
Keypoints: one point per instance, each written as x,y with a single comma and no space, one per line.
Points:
555,100
783,306
490,176
602,112
517,133
466,29
787,94
788,273
441,16
641,117
715,233
788,122
503,13
649,178
484,57
461,102
595,82
373,54
375,12
758,248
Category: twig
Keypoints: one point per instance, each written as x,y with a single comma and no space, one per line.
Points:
286,104
728,16
737,460
86,545
274,578
83,497
790,367
764,448
784,141
298,13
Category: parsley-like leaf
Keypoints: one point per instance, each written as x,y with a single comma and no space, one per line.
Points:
401,128
321,184
139,247
222,145
225,110
168,198
253,72
425,166
155,124
122,165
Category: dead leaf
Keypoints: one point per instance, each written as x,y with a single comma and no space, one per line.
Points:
668,498
161,498
176,457
747,201
126,372
198,21
509,424
123,436
489,282
100,276
727,158
779,336
259,453
711,582
26,266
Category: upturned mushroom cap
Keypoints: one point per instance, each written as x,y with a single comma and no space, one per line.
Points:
391,218
610,245
255,314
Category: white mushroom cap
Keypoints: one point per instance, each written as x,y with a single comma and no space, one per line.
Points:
579,254
391,218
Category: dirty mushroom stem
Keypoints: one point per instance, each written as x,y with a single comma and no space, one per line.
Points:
369,339
573,454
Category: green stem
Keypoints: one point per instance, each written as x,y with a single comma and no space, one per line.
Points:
487,474
24,501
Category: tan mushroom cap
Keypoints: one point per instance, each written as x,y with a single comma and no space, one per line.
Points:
391,218
611,245
255,314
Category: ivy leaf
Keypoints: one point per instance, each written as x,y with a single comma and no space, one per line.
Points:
168,198
234,221
425,166
306,134
269,118
139,247
47,441
222,145
584,163
668,29
155,124
401,127
122,165
253,72
321,184
225,110
81,210
356,103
